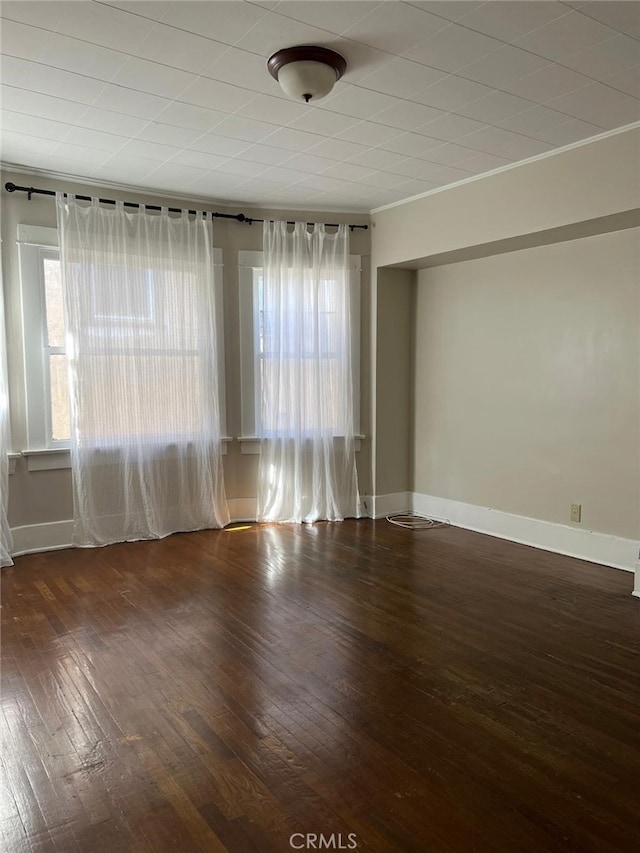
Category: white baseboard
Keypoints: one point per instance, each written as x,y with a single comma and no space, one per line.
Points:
56,535
588,545
383,505
32,538
380,506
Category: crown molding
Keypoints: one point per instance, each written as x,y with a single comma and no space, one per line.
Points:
555,151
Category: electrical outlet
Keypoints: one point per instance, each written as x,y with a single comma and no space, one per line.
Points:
576,512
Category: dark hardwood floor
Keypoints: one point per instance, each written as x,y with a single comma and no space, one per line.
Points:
435,691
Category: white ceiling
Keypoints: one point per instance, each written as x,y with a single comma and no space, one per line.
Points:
175,96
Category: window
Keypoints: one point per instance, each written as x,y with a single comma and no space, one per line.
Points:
143,313
48,420
54,349
44,339
255,345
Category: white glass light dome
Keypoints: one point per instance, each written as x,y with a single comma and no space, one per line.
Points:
306,73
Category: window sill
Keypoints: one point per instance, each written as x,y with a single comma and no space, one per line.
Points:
250,444
48,459
53,459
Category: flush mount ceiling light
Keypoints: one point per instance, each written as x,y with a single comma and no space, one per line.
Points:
306,73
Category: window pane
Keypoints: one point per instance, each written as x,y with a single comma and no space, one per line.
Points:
53,296
319,379
162,392
302,344
60,428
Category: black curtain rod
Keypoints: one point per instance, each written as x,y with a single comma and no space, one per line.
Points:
239,217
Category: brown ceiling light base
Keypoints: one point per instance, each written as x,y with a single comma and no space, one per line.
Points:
306,72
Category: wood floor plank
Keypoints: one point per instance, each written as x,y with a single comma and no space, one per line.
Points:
437,691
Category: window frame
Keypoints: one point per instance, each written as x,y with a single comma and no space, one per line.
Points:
35,244
251,428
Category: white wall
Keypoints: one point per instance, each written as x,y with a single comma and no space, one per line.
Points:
594,181
524,350
527,382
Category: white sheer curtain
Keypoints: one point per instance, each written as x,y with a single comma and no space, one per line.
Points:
145,434
6,542
307,469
